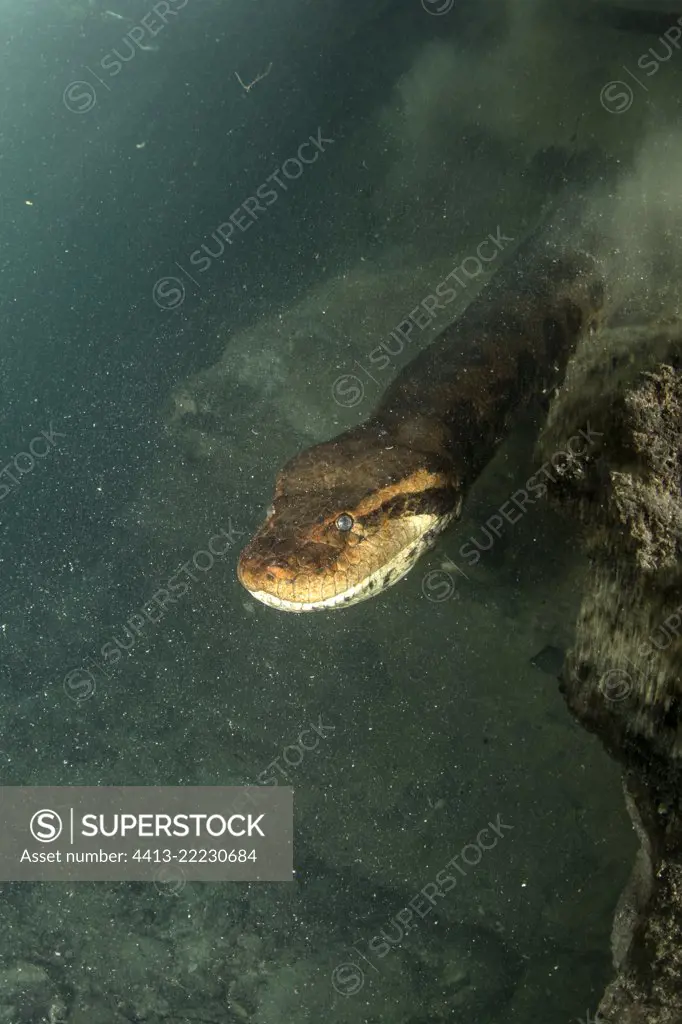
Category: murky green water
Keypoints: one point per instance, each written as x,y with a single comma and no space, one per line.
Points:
460,843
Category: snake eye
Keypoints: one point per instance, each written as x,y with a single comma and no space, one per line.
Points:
344,522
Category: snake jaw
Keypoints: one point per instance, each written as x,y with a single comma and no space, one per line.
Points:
349,518
283,582
320,568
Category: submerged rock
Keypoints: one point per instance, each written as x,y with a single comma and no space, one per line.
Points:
623,678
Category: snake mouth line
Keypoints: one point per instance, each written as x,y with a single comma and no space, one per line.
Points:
429,526
352,515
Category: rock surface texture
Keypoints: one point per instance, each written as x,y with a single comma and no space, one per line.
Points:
623,678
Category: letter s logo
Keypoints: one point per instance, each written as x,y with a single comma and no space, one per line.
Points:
46,826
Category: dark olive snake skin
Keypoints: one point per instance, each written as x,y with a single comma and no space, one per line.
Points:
352,515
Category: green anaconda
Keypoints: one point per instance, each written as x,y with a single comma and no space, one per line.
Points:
352,515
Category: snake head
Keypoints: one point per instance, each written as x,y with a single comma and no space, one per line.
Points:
348,519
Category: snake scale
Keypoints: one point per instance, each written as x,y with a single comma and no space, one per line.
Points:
352,515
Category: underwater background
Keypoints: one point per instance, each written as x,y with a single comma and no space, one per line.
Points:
169,372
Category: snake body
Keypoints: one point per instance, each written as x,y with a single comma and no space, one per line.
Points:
352,515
